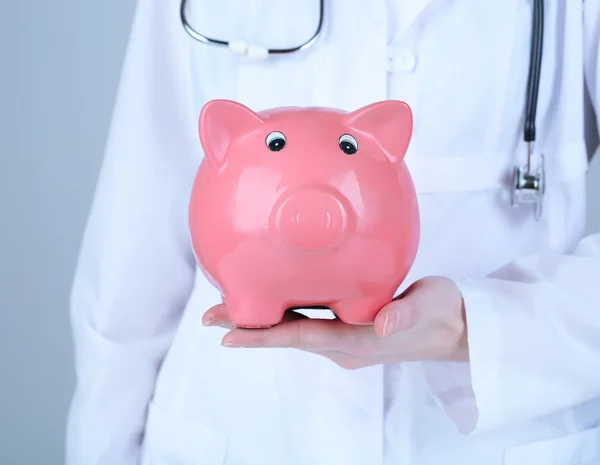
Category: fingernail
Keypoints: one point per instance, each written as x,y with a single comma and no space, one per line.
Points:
220,323
231,344
390,324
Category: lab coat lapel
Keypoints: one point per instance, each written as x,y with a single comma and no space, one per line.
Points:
353,55
412,9
349,54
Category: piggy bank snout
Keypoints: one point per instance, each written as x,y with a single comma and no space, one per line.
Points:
312,220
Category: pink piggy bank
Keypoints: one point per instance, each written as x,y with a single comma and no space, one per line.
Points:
304,207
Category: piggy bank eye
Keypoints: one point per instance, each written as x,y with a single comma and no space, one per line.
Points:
348,144
275,141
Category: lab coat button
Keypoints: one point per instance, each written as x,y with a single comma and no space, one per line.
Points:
403,62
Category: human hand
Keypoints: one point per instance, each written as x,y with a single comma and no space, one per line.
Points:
425,322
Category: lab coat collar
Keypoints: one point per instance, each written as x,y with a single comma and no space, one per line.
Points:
409,10
414,8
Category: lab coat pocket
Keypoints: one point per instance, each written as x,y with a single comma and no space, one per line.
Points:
171,439
582,448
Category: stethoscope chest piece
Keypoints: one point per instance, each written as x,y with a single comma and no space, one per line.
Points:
529,180
528,187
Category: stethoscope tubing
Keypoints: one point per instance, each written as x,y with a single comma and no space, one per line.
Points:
271,51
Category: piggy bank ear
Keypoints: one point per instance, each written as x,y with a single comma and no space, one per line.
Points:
390,122
220,123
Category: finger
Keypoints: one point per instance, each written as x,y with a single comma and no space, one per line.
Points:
218,316
419,301
304,333
399,315
215,315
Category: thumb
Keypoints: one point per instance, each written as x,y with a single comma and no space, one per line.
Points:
399,315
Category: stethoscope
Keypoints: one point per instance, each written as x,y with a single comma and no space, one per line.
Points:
253,51
528,182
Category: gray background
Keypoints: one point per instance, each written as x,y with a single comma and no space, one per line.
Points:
59,69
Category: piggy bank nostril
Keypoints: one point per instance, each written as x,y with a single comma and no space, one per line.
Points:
316,218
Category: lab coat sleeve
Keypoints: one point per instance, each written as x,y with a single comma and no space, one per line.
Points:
534,341
533,326
135,270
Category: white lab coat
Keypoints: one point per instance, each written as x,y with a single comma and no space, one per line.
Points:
155,387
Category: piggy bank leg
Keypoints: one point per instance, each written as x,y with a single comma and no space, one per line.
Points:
249,312
360,311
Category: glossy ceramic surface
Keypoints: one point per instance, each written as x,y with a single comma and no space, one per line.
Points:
303,207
